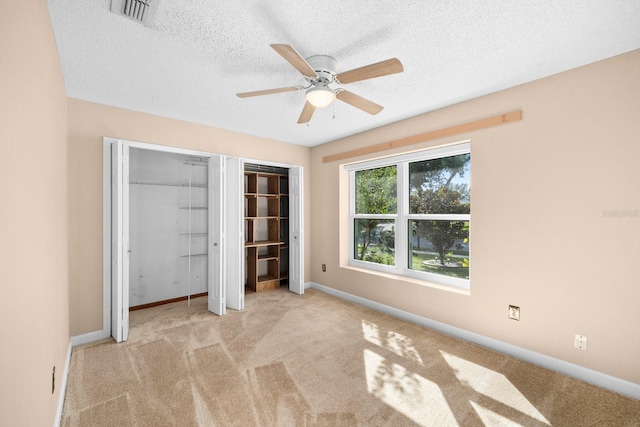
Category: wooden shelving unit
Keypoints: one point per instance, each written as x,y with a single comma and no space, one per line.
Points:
266,240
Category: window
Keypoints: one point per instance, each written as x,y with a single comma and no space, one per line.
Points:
411,214
375,209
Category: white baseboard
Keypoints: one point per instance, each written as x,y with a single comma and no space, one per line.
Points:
600,379
88,338
62,392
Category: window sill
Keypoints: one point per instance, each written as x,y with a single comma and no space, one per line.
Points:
407,279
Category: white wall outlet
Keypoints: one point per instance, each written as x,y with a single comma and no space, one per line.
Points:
514,312
580,342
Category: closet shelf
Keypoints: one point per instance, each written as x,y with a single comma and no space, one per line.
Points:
266,257
265,195
267,278
193,255
262,243
261,217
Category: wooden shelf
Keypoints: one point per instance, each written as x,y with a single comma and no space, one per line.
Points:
267,285
262,243
267,195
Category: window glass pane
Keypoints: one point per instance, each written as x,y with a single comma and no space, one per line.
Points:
440,247
376,191
440,186
374,240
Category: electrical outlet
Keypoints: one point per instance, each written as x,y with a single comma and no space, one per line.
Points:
580,342
53,380
514,312
324,267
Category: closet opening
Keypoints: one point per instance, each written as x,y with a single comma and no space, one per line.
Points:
168,208
266,216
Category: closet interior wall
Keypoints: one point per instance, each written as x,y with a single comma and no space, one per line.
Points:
168,226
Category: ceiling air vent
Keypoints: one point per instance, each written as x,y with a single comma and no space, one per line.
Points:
142,11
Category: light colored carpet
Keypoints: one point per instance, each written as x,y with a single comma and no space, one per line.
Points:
315,360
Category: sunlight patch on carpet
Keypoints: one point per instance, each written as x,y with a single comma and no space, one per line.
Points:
492,384
410,394
490,418
392,341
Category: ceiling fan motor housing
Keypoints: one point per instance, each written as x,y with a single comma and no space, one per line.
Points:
325,66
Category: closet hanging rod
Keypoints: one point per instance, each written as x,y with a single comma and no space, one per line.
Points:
161,184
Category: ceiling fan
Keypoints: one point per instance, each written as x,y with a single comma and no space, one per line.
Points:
320,71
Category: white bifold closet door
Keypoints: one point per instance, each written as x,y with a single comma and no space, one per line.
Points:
296,231
119,241
216,290
234,226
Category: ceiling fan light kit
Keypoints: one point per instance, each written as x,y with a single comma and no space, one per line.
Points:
320,96
320,71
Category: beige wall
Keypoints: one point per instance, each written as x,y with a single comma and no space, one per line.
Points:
539,238
34,309
88,124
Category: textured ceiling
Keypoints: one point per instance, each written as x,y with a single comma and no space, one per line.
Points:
199,53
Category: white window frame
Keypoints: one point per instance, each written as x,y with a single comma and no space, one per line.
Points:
402,216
